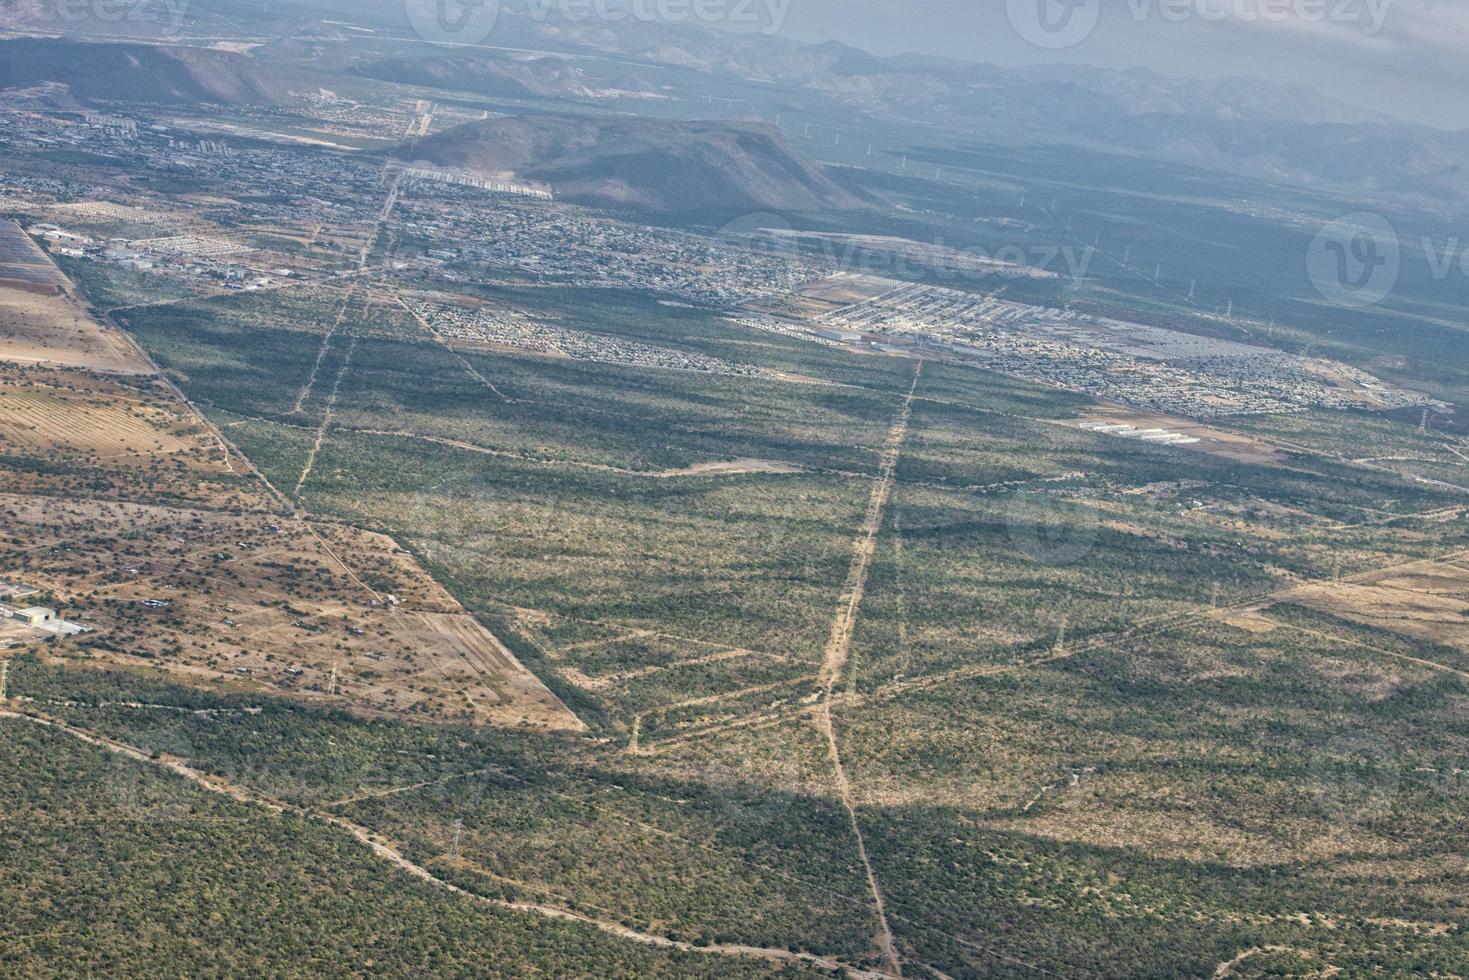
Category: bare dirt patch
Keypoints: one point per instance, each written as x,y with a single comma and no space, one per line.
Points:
60,332
734,467
1214,441
1430,604
846,288
323,613
1250,622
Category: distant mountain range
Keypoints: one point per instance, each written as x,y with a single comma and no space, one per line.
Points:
1240,125
640,164
132,72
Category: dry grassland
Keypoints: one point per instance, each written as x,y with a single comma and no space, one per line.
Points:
1422,603
59,332
250,602
40,418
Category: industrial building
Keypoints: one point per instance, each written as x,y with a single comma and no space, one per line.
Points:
42,618
33,616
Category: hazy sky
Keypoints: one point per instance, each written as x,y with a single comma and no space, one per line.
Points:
1409,58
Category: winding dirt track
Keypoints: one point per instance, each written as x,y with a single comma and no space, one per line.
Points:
385,850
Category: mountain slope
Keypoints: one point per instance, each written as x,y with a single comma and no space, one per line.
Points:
640,164
1234,125
132,72
520,78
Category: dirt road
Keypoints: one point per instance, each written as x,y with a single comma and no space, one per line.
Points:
385,850
839,649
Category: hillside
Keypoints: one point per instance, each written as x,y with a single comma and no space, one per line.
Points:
641,164
132,72
524,78
1233,125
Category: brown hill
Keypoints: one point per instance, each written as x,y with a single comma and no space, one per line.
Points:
132,72
641,164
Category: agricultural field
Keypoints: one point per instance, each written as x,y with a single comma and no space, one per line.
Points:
42,412
179,462
91,418
57,331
